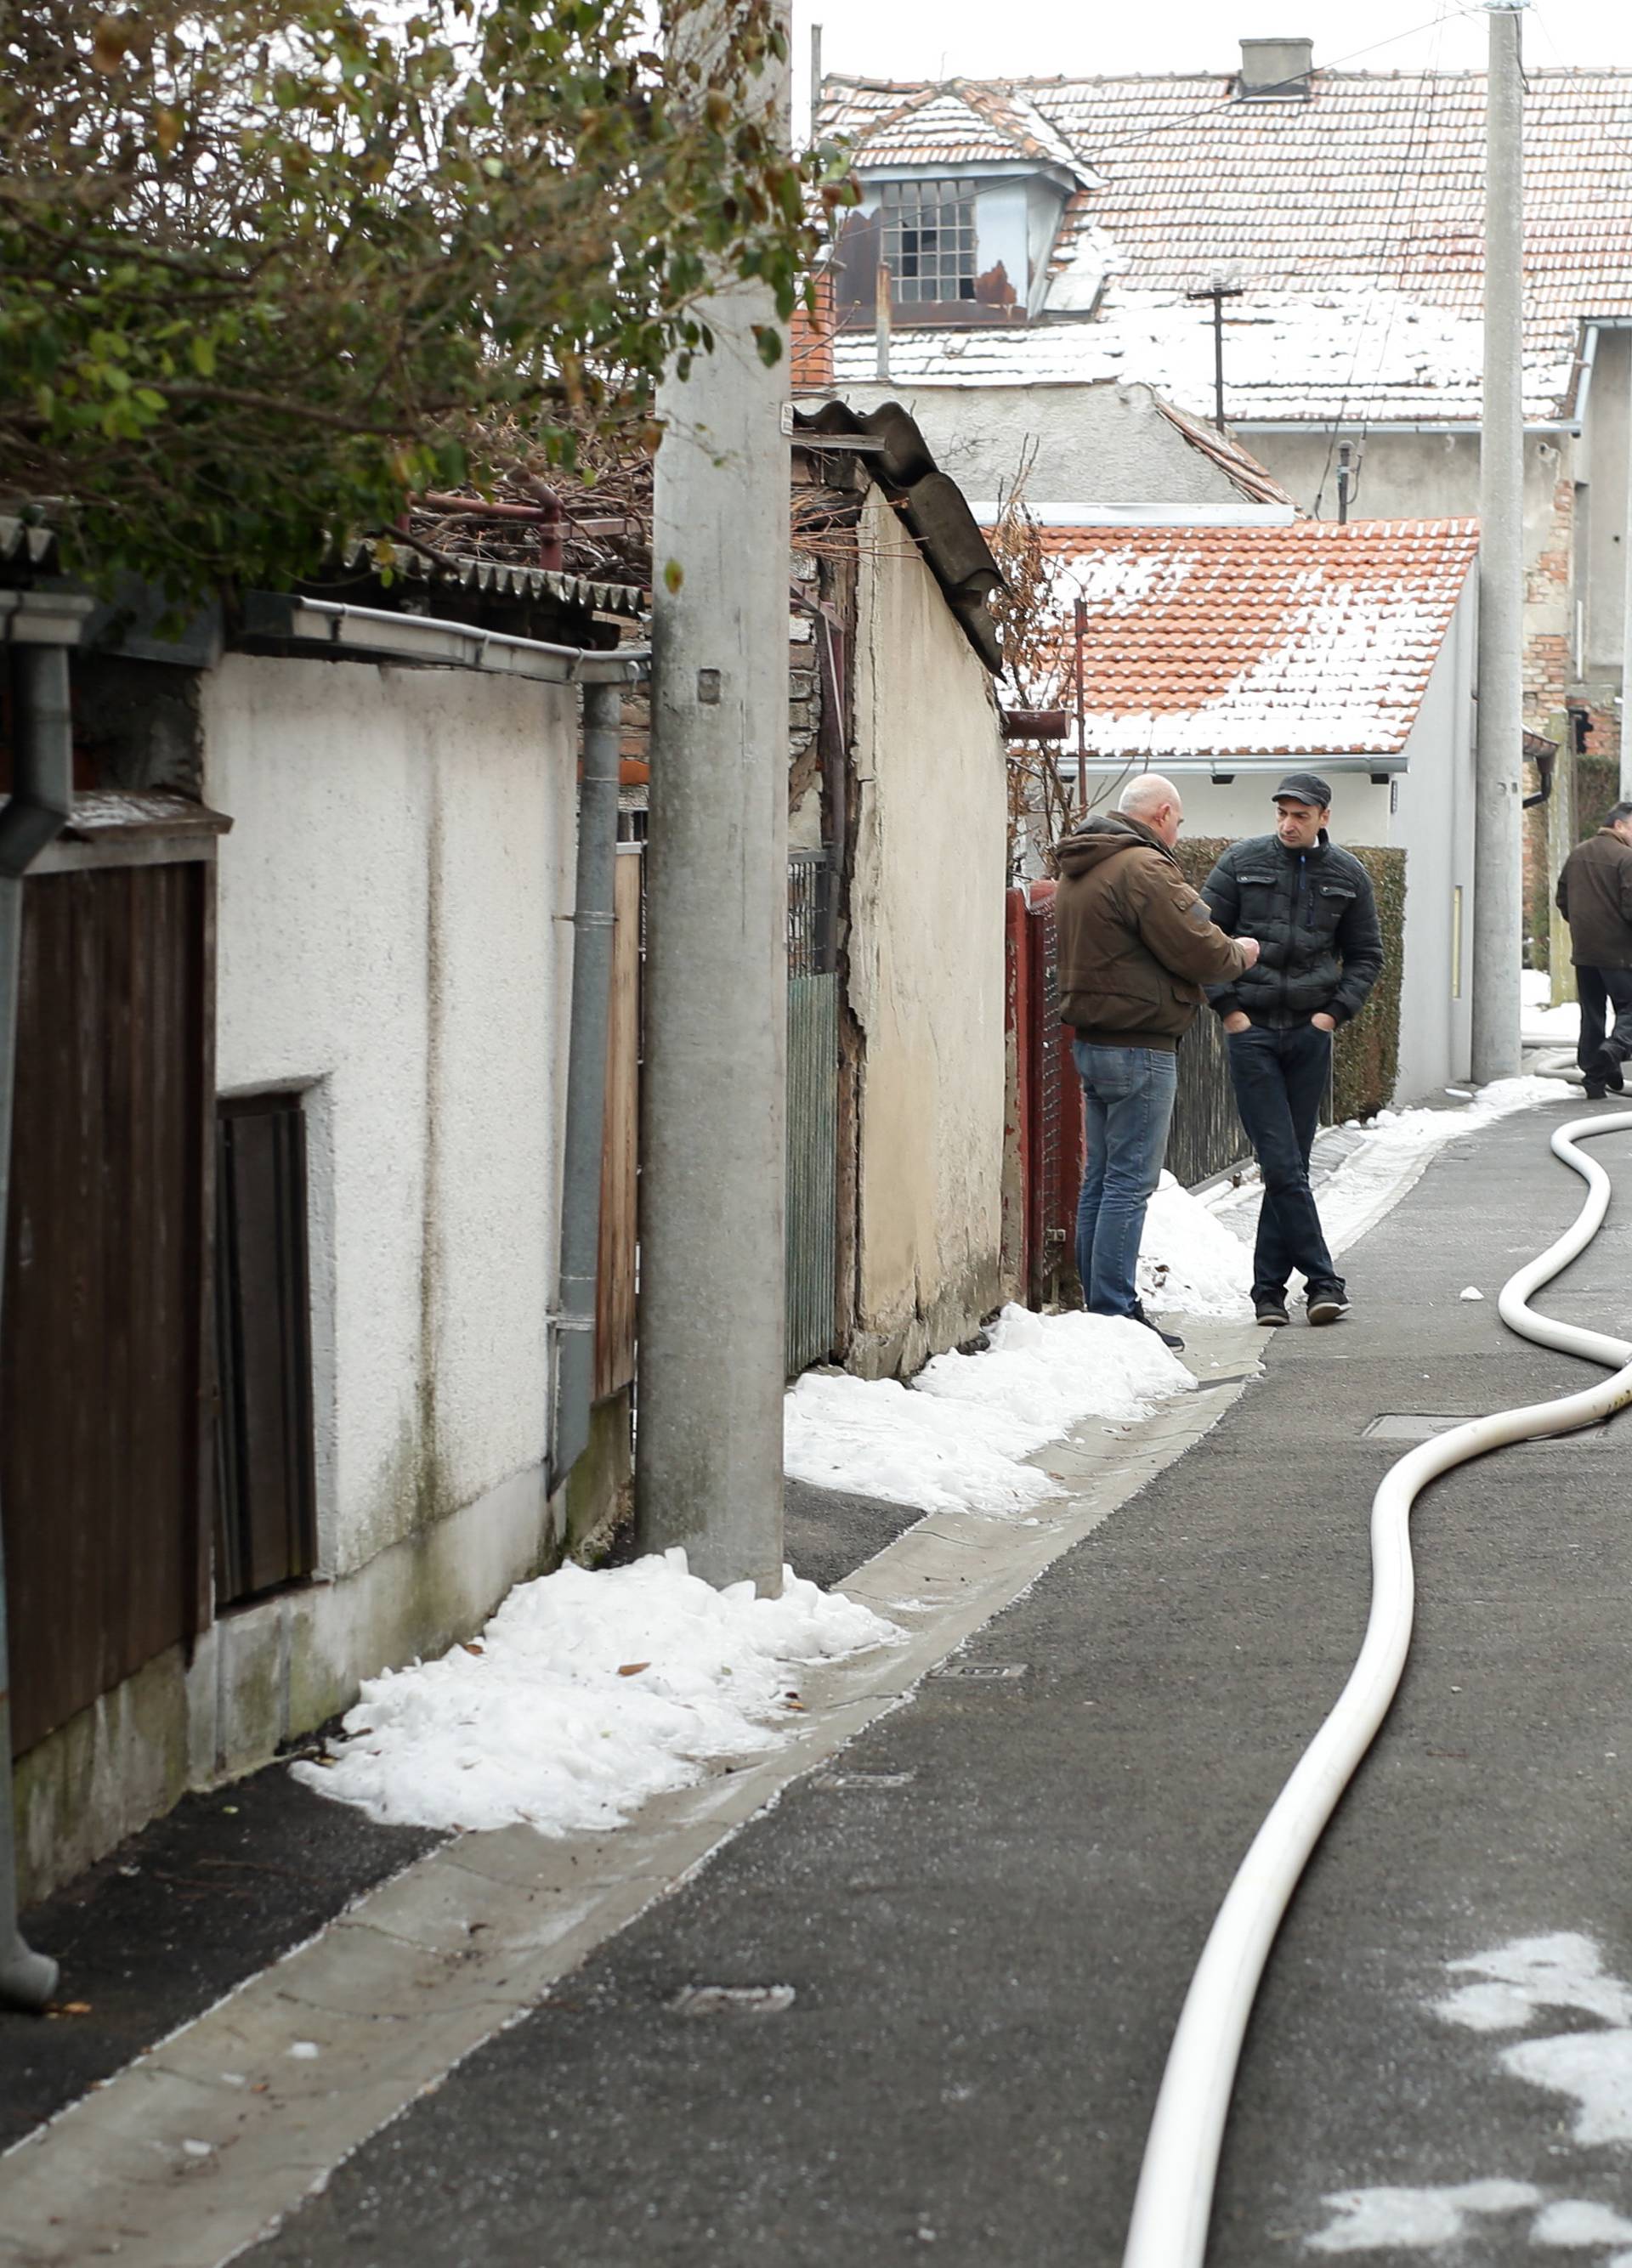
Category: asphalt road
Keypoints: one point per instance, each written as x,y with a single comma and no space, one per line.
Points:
990,1915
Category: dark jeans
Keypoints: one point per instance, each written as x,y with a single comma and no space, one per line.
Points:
1279,1079
1597,989
1127,1100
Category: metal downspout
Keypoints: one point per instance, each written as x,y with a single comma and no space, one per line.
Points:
586,1081
41,798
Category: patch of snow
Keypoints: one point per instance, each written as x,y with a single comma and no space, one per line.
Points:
1373,2220
1189,1263
955,1440
1563,1970
1471,1291
589,1693
1573,2221
1593,2068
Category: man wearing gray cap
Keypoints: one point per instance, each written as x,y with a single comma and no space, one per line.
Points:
1310,907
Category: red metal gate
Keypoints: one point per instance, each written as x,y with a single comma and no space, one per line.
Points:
1046,1113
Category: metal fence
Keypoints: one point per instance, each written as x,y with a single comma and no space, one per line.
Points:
812,1110
1206,1135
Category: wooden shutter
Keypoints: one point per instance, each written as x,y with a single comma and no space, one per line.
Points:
266,1530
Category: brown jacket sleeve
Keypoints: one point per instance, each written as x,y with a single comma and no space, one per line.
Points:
1174,924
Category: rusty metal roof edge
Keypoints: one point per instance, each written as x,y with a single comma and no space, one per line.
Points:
933,506
501,578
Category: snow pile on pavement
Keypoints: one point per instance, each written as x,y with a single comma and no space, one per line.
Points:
586,1694
1189,1263
953,1439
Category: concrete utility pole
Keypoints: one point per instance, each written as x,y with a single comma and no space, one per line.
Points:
1626,628
1498,895
708,1467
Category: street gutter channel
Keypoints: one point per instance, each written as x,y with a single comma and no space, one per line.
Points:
283,2080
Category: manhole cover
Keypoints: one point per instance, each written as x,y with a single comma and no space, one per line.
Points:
1427,1424
992,1673
733,2000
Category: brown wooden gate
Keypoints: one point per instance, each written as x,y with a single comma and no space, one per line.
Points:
106,1378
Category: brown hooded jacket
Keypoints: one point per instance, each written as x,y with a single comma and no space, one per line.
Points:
1136,942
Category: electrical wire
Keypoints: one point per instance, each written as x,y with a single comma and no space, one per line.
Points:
1174,2201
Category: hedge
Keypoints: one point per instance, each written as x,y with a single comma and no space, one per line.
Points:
1366,1059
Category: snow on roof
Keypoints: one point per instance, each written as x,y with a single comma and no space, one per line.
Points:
958,124
1362,207
1307,639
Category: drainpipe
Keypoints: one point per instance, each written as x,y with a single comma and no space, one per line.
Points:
42,776
586,1081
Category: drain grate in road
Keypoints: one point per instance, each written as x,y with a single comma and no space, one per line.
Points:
733,2000
1427,1425
990,1673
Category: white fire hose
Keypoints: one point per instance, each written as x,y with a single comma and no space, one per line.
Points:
1175,2198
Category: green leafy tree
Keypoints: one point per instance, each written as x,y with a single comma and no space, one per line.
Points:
268,270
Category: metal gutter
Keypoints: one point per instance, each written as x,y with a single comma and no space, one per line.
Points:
40,628
1241,514
1222,770
584,1141
374,634
1374,425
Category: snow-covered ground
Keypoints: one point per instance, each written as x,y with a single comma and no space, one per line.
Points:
586,1694
956,1439
1542,1024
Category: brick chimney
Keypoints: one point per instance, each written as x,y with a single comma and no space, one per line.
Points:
811,342
1275,70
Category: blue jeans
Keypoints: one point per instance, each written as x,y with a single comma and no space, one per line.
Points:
1281,1079
1127,1100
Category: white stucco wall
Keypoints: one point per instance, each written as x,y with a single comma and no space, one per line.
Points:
925,955
1103,444
401,841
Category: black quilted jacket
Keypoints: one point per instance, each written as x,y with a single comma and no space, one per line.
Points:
1315,918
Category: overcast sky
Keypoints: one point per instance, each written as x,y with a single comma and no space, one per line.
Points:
996,39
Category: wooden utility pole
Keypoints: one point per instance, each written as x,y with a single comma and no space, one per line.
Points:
1217,291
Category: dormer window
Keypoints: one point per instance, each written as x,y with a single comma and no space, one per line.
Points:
928,241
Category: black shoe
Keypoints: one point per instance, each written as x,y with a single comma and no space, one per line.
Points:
1598,1094
1270,1312
1614,1082
1327,1305
1168,1339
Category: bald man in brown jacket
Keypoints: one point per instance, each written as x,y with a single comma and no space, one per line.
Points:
1136,945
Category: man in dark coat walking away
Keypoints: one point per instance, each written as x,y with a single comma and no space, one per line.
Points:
1311,906
1594,895
1135,946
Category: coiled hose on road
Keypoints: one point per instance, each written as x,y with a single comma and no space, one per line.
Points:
1174,2202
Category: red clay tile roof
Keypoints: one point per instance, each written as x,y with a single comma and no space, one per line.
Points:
1239,466
1352,221
1309,639
960,121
